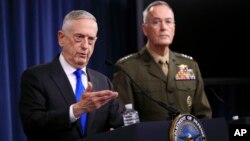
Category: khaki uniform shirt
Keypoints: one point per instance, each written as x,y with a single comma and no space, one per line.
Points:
183,89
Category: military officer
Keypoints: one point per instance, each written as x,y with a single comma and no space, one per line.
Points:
169,79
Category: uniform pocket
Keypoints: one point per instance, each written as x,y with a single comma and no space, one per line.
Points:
186,85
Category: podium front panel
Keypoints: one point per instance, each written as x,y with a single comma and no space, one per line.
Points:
215,130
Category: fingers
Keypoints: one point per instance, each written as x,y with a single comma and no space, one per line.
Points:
106,94
89,87
91,101
103,97
88,90
94,100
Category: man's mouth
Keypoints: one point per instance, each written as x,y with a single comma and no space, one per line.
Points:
164,36
82,54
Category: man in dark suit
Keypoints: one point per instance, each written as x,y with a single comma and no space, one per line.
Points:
168,77
48,107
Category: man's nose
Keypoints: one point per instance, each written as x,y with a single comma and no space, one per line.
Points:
85,42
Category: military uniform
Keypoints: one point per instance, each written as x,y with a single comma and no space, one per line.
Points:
182,89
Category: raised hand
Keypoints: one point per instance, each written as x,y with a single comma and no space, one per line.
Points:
91,101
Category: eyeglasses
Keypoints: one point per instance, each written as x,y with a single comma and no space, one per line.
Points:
158,22
80,37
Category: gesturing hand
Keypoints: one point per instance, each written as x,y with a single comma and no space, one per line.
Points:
91,101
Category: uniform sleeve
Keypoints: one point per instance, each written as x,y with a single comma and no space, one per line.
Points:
122,85
201,107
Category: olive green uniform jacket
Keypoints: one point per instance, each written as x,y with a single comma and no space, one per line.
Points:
186,95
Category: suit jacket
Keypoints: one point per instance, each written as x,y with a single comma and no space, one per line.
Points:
187,95
46,95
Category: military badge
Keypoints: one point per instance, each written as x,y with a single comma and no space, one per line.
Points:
184,73
189,101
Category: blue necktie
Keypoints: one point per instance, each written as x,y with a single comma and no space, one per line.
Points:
79,90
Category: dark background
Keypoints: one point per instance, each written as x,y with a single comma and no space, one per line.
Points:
215,33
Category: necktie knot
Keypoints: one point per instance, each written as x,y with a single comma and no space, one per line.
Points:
164,66
78,73
161,62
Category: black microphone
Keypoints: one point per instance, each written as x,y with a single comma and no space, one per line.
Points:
171,111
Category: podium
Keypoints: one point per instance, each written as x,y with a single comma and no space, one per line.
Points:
215,130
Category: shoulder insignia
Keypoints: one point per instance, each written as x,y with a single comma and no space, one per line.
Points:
185,56
125,58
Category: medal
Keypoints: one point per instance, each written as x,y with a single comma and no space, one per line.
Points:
184,73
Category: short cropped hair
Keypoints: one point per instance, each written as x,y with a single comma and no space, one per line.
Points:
75,15
155,3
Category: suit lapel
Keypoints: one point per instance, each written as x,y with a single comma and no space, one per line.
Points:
63,84
59,77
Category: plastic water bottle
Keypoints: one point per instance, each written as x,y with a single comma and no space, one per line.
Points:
130,115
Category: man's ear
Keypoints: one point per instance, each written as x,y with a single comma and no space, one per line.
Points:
60,37
144,29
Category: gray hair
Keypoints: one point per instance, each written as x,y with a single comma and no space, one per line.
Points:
155,3
75,15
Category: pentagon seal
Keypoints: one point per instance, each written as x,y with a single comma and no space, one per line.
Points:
186,127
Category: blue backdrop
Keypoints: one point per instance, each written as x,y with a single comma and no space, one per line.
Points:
29,37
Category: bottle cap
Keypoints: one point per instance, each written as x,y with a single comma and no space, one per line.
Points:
128,106
235,117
